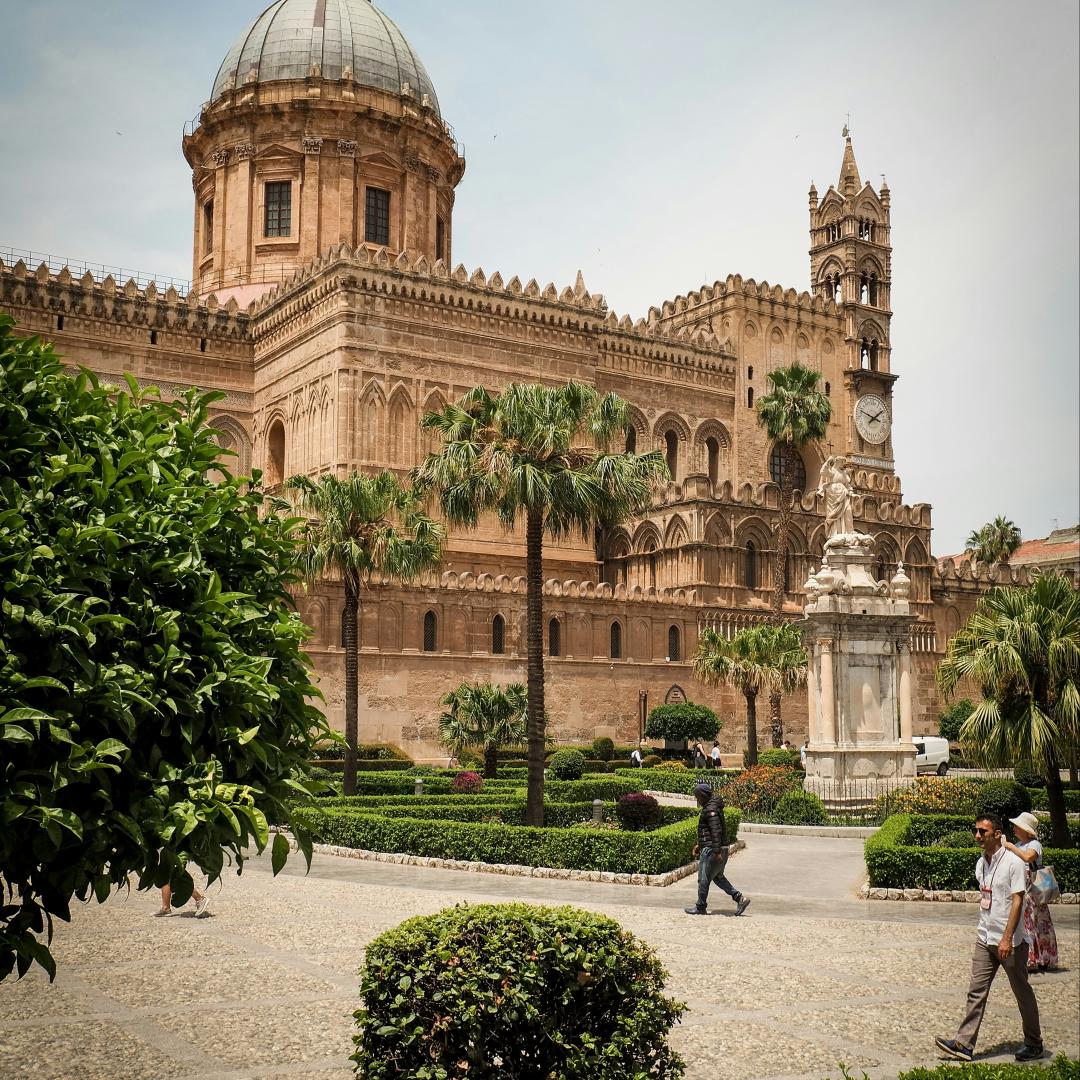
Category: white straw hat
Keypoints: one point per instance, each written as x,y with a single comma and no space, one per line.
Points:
1028,822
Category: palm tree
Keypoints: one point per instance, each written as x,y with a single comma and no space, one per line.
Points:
484,715
995,542
1022,648
760,659
362,525
539,453
794,414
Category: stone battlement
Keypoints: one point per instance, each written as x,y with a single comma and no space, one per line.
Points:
735,285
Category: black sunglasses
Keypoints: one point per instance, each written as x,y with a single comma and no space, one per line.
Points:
983,832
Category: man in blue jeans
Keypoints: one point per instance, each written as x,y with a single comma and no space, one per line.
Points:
712,847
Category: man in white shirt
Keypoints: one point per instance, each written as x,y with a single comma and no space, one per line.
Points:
999,942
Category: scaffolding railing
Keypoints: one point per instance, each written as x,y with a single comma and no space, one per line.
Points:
99,271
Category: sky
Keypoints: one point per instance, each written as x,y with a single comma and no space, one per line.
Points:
657,147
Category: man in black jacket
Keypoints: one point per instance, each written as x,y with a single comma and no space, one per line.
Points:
712,847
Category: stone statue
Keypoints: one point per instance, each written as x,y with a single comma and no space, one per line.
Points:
835,487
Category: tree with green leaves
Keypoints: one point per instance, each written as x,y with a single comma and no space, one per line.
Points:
154,694
794,414
1021,647
762,659
995,542
485,716
359,526
542,454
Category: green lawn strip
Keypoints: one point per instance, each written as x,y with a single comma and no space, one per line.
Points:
900,855
616,851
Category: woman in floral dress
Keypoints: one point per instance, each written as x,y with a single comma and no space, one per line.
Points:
1038,927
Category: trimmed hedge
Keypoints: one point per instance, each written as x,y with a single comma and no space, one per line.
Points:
592,787
1039,800
673,781
897,856
618,852
1061,1068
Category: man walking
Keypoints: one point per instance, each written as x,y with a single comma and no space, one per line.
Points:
999,943
712,847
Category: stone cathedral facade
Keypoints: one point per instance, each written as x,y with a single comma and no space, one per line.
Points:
325,302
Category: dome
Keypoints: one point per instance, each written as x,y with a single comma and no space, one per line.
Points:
291,36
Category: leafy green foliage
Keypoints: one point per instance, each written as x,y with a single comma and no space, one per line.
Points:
566,764
757,790
637,811
650,761
995,542
797,807
154,696
468,783
1027,774
603,748
777,756
953,717
483,715
1061,1068
903,854
682,720
506,990
1006,798
958,838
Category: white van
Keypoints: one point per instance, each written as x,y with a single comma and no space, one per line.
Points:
931,755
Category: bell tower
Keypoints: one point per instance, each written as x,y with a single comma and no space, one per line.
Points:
851,264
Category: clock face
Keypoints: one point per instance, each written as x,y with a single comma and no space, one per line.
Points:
872,419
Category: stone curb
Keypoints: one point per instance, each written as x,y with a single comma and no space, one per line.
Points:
835,831
962,896
511,869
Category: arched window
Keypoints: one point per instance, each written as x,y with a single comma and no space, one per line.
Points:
713,448
873,353
879,569
616,641
431,639
750,565
836,288
674,652
275,445
864,288
671,440
750,372
554,638
873,292
631,440
864,353
779,463
498,635
788,564
828,389
749,397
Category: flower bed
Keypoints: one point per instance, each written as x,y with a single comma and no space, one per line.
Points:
902,854
616,851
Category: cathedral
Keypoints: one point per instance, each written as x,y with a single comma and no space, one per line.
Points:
325,303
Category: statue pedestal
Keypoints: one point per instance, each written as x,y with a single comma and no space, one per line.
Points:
860,683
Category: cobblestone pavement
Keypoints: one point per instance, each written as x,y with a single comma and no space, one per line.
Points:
265,986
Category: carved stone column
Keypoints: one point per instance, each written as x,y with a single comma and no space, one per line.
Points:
904,650
828,692
813,728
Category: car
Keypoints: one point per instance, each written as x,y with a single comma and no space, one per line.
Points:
931,755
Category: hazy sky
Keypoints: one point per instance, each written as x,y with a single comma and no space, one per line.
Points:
657,147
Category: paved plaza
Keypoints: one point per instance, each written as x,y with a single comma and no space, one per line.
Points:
266,985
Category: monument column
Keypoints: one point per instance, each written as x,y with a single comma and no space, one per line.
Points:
828,693
813,728
904,649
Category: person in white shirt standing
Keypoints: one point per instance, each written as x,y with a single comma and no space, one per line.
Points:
1000,943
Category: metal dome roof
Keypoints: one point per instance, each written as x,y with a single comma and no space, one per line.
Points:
292,35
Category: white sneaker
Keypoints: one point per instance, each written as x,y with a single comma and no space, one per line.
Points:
201,905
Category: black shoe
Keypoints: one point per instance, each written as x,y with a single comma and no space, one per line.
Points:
955,1049
696,911
1029,1053
742,905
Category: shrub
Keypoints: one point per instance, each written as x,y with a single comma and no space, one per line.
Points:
800,808
775,756
1006,798
757,790
1039,800
671,766
958,838
567,764
468,783
1025,773
591,787
1061,1068
603,748
421,770
684,720
590,824
650,761
951,719
637,811
549,991
470,759
932,795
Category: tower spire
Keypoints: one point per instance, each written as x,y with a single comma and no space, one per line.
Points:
849,171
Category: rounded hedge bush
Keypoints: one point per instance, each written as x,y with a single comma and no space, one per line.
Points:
468,783
1006,798
638,811
650,761
684,720
603,748
673,766
566,764
508,990
1025,773
797,807
775,756
958,838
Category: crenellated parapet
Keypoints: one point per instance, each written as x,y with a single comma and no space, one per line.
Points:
971,574
62,294
736,287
